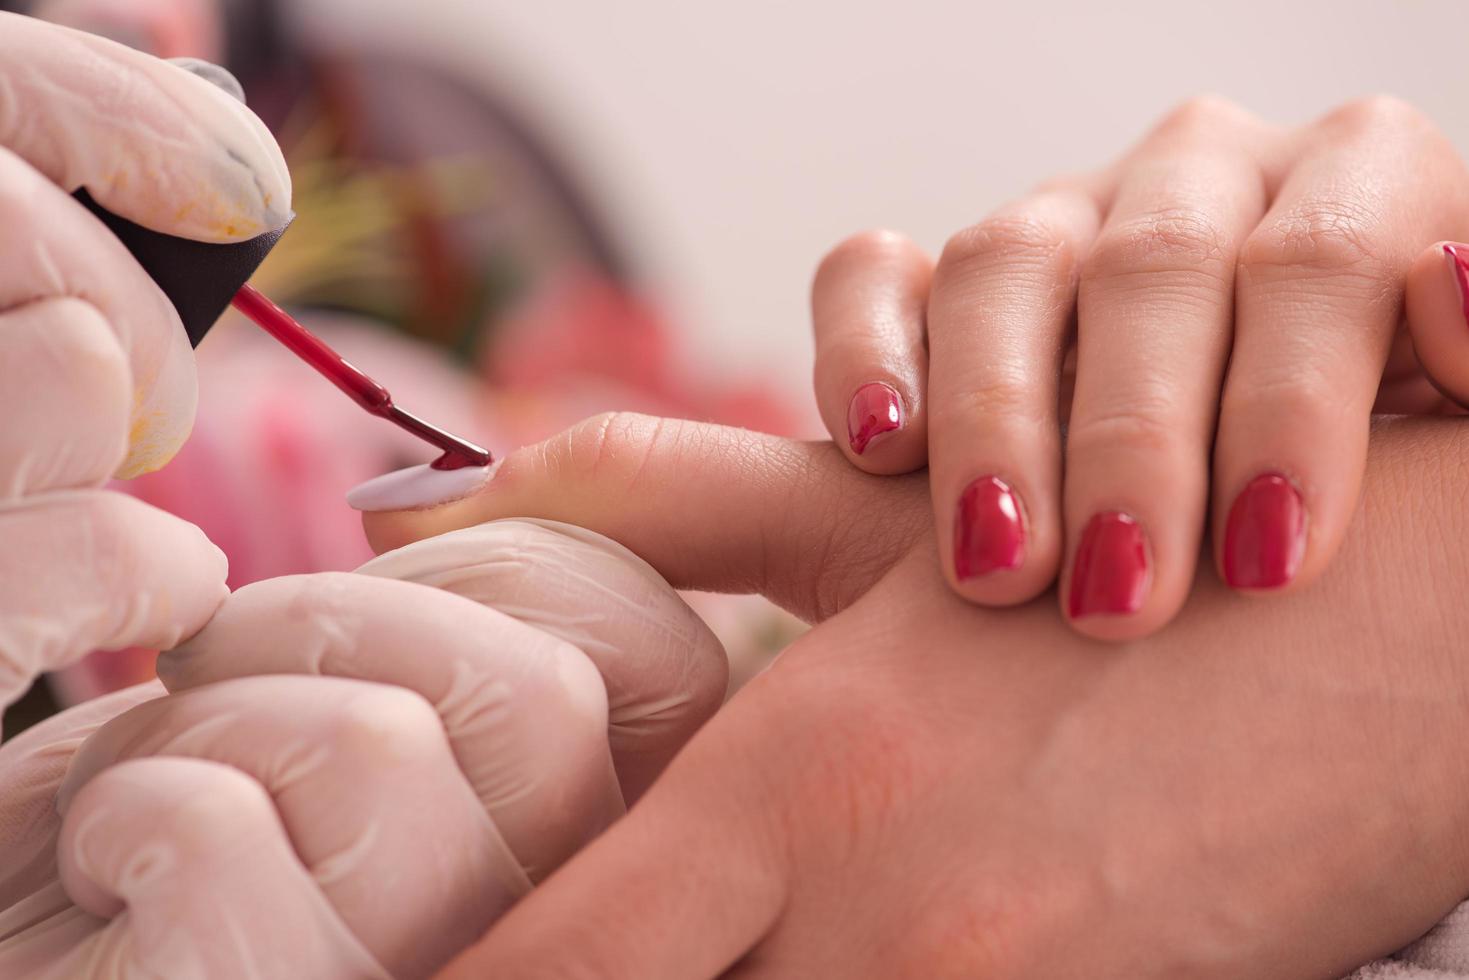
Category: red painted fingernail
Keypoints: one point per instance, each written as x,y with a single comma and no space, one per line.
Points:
1458,256
875,410
1266,534
988,533
1112,572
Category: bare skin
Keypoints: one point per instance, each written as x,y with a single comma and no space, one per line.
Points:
924,787
1226,301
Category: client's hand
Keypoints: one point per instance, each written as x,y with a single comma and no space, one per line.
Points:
1228,295
925,788
425,740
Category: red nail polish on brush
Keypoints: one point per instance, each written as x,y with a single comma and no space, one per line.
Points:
1458,257
875,410
988,533
373,397
201,279
1266,534
1112,571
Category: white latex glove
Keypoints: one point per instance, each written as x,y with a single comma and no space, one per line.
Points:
96,374
449,736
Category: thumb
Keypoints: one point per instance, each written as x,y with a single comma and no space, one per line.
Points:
1438,317
693,878
710,507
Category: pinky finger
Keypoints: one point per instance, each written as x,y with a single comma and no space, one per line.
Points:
1438,317
867,306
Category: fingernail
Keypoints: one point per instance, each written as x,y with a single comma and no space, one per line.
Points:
1458,256
1112,572
418,488
875,410
988,533
212,73
1266,534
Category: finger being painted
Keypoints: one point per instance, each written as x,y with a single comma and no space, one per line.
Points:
709,507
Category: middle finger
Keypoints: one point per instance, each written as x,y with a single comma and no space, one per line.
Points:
1154,313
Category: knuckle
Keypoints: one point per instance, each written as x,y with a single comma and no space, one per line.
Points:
1307,397
609,448
583,693
1174,240
1147,426
384,726
224,797
218,796
1327,237
1002,403
1377,112
864,250
1008,240
1201,115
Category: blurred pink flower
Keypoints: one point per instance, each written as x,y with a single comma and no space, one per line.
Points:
583,345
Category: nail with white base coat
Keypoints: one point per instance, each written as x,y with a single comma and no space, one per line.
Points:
418,488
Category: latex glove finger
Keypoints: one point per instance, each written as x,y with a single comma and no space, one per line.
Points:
32,766
665,671
364,780
149,140
188,868
154,143
53,247
86,570
64,374
526,713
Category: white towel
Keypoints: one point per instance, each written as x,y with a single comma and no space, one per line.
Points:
1442,954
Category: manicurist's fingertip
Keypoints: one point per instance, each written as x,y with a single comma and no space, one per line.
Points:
214,74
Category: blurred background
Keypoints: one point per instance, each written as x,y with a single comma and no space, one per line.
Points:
518,214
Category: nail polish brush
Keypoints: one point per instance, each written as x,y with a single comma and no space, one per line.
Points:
202,279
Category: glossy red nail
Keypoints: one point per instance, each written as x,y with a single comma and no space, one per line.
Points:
988,533
1266,534
1112,572
874,411
1458,256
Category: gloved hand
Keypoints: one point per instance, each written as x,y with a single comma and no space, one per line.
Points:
96,374
356,773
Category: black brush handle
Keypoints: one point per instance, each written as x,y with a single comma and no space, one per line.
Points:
199,278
